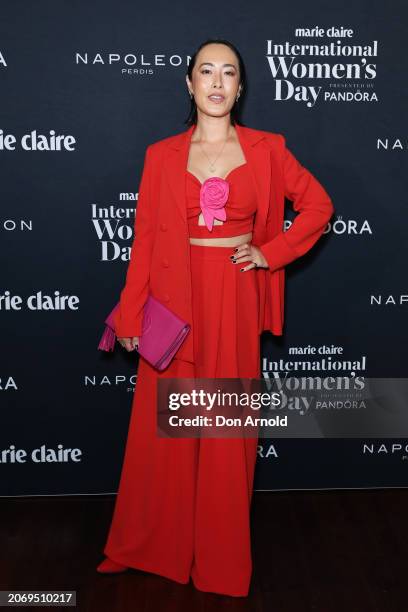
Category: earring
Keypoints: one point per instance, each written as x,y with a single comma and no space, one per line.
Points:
191,95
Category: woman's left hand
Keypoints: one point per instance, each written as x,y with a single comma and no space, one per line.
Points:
249,252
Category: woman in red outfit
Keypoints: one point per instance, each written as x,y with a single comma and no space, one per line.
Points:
183,504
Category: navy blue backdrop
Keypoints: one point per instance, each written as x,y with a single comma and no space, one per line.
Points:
85,88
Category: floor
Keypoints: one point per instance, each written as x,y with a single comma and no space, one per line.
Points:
323,551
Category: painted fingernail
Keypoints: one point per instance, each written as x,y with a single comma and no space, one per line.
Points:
236,249
242,269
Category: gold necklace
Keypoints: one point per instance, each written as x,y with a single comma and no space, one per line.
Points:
212,164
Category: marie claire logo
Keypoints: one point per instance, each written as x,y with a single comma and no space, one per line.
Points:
345,67
131,63
128,196
38,301
3,63
42,454
309,358
35,141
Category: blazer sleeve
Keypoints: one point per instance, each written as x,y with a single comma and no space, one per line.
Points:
314,208
128,317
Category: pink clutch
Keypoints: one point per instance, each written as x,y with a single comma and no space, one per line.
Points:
163,332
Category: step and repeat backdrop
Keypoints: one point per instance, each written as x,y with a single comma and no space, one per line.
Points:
85,88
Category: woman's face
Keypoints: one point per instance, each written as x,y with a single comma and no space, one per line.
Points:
216,73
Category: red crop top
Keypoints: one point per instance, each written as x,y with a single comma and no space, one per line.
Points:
237,204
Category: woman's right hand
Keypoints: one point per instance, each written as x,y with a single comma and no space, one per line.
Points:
129,343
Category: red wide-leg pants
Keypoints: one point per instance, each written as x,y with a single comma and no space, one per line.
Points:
183,504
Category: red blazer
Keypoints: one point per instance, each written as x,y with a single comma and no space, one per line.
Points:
160,254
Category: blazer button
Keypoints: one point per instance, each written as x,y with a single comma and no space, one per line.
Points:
163,227
166,297
165,263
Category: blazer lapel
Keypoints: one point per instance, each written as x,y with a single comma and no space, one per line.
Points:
175,165
257,156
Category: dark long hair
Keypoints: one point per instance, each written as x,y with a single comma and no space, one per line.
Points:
235,110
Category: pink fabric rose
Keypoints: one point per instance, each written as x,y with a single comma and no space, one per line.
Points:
213,196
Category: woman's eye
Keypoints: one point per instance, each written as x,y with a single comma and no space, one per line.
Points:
205,70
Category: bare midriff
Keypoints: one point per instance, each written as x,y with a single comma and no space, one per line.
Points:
231,241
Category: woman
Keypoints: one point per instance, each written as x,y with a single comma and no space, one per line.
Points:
209,243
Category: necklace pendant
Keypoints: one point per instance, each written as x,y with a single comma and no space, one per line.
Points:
212,169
